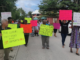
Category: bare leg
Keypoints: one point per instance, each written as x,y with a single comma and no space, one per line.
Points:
77,50
71,50
55,34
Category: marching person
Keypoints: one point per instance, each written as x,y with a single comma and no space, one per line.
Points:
40,22
45,39
48,22
10,22
55,30
26,34
33,31
75,39
37,28
4,26
64,30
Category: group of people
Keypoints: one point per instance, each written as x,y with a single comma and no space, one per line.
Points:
74,42
75,35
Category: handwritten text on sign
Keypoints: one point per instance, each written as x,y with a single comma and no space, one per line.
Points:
12,26
65,14
13,37
34,22
46,30
5,15
76,18
27,28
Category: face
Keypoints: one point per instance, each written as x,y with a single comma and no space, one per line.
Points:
44,22
10,20
64,21
5,23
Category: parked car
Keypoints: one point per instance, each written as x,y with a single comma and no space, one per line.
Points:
69,28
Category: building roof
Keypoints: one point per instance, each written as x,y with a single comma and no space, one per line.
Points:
36,12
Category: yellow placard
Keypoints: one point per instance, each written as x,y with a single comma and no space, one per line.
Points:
46,30
28,19
13,37
12,26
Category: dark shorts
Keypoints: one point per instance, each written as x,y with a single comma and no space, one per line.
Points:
55,30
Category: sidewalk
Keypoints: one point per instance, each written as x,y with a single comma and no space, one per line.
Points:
13,53
34,50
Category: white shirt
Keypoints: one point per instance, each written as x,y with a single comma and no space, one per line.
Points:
40,23
37,27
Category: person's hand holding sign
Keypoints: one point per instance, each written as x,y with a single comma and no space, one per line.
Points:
0,34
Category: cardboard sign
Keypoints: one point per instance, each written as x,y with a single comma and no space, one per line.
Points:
26,27
65,14
76,18
34,22
56,25
5,15
12,26
28,19
46,30
13,37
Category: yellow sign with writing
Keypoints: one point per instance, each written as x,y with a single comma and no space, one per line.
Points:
12,26
28,19
46,30
13,37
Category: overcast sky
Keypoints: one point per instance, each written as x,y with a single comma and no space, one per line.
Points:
28,5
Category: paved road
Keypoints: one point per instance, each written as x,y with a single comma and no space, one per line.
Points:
34,50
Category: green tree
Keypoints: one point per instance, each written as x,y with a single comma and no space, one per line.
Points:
49,7
9,6
52,7
30,14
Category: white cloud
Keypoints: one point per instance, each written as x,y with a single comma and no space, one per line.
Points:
28,5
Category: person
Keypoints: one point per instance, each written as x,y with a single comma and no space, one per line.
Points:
55,30
26,34
33,31
48,22
4,26
40,22
10,22
16,22
64,30
75,39
37,28
45,39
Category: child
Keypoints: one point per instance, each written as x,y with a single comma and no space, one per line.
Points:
45,39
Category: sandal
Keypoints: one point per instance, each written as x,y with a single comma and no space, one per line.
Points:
71,51
77,54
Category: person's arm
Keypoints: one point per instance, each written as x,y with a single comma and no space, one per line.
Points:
72,24
68,22
60,22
